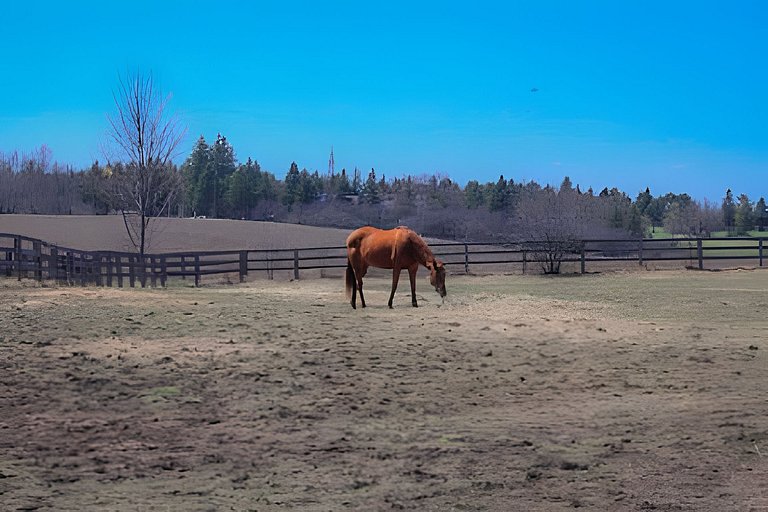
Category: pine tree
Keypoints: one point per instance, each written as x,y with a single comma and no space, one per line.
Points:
761,215
729,211
292,185
643,200
344,187
307,191
371,193
223,164
384,187
357,183
498,195
473,195
566,186
241,194
198,176
743,216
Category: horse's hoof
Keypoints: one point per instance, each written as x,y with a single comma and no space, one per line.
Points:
390,306
415,305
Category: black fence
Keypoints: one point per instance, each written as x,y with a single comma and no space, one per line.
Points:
24,257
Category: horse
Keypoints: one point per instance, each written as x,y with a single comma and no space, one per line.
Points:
397,249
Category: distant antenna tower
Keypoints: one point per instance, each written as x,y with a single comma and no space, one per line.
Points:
331,164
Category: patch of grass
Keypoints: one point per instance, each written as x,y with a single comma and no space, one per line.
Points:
754,233
721,248
660,232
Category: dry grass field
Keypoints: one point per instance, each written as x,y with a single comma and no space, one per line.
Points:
622,391
107,233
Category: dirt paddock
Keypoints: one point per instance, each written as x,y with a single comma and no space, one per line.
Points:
620,391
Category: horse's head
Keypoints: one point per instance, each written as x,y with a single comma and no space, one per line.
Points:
437,276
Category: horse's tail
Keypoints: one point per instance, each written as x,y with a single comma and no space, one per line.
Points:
350,279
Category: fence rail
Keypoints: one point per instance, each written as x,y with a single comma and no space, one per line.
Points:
25,257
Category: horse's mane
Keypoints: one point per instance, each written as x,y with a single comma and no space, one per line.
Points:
423,253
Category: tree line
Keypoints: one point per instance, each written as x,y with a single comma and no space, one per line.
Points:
212,183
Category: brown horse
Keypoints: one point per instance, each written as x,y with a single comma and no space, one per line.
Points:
397,249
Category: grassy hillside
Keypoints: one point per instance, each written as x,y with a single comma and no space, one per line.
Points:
107,232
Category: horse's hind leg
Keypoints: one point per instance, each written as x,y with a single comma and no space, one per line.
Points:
360,285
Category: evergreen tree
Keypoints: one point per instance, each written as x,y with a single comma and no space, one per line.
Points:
566,186
643,201
292,191
269,186
357,184
473,195
635,221
371,192
198,175
729,211
241,193
761,216
93,188
308,187
405,192
743,216
344,186
223,164
497,200
384,187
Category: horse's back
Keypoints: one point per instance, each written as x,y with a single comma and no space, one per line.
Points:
379,247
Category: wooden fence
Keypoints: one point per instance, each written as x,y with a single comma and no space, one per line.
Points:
24,257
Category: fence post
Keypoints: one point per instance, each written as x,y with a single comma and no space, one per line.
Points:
197,270
110,272
132,271
525,260
37,248
466,258
700,253
53,264
82,269
296,264
163,271
119,268
153,271
143,275
760,251
640,253
9,261
243,265
583,258
17,257
183,268
98,268
70,267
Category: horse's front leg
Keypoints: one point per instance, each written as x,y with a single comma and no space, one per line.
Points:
395,279
412,275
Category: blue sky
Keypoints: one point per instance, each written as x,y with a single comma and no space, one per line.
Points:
670,95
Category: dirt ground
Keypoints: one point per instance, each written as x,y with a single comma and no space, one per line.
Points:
620,391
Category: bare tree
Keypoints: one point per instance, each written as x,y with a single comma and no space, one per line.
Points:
145,137
554,224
